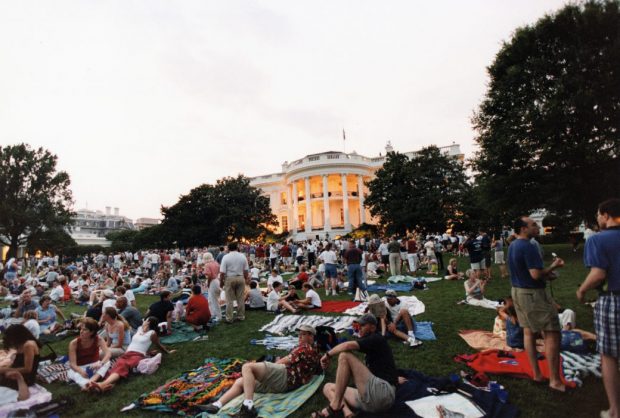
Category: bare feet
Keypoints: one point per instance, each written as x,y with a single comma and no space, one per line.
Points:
560,387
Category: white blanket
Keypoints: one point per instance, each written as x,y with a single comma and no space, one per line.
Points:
414,305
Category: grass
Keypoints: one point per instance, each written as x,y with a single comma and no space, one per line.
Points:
433,358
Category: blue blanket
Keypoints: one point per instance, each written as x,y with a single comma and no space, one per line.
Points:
390,286
424,331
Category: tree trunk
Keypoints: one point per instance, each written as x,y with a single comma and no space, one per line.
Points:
13,248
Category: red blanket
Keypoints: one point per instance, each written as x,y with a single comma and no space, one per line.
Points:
514,363
336,306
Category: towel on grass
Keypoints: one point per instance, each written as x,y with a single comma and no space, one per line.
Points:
483,340
274,405
414,305
287,343
38,395
199,386
336,306
514,363
424,331
284,324
577,366
181,332
383,287
411,279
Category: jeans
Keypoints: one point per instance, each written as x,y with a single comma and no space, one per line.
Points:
356,277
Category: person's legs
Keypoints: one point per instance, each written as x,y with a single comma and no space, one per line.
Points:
235,390
552,352
611,381
239,291
406,318
230,297
529,342
350,398
252,372
348,366
351,277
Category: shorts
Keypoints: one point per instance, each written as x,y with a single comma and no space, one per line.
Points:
480,265
607,325
385,259
535,309
499,257
330,271
379,395
274,380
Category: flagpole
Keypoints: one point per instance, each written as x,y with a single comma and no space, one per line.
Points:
344,141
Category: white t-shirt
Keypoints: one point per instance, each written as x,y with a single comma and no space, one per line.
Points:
272,300
314,298
272,279
34,327
130,296
329,257
300,252
273,252
57,293
255,273
383,249
108,303
234,264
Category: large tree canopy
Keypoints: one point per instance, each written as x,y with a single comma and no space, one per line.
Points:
549,126
34,197
210,214
428,191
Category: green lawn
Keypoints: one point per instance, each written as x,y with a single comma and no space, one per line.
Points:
433,358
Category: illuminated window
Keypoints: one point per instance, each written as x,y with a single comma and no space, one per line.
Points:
284,223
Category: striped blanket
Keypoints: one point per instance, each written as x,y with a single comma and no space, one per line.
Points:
284,324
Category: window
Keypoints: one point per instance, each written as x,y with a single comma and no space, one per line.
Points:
283,198
284,223
302,224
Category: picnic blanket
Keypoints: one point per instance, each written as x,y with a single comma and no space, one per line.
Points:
483,340
274,405
383,287
414,305
424,331
284,324
199,386
181,333
514,363
577,366
286,343
336,306
38,395
411,279
417,387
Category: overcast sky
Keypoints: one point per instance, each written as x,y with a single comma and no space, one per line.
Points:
144,100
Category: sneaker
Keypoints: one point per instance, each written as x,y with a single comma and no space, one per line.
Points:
413,342
246,412
208,408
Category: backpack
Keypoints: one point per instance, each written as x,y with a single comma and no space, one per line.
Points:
326,338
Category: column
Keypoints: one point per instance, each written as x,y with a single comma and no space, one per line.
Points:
345,202
295,208
360,194
308,206
327,226
289,204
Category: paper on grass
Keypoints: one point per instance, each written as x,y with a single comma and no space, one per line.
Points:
427,407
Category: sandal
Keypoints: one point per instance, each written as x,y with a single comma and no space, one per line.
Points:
331,413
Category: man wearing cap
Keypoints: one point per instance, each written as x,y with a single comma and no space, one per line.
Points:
401,318
285,375
375,382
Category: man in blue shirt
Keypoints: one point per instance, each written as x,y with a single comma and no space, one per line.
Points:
602,256
535,307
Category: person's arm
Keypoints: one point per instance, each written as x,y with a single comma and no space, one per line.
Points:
169,321
594,279
340,348
546,273
30,348
121,335
73,359
383,325
107,354
59,312
158,344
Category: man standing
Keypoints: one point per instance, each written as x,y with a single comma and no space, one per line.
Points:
234,274
602,256
536,310
412,254
353,258
375,382
285,375
394,256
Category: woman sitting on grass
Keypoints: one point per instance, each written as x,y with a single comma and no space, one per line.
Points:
88,354
23,371
118,331
197,312
47,314
474,291
136,352
453,273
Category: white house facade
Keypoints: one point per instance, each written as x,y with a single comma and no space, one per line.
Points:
324,193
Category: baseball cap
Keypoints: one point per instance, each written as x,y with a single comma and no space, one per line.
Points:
367,319
307,328
108,293
374,299
391,293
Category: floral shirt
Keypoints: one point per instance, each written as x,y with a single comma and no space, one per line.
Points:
305,363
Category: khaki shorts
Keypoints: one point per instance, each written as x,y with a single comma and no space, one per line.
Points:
379,395
274,380
535,309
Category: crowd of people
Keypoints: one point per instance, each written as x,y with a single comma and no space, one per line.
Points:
240,277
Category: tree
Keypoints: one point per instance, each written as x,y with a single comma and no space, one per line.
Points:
212,214
428,191
122,240
50,241
549,126
34,197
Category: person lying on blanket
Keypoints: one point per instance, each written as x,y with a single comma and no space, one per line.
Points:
26,361
285,375
136,352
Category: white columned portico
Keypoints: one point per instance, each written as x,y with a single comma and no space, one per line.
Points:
308,206
327,226
295,208
289,201
360,194
345,202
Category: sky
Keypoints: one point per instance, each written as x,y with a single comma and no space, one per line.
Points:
144,100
